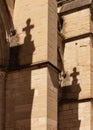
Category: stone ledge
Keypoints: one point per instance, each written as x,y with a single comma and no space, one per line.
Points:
77,37
34,66
77,4
75,100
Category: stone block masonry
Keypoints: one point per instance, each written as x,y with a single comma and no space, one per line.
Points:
31,97
75,105
75,116
29,69
31,94
40,31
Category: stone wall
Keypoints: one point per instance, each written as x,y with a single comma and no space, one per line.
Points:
75,116
37,28
76,23
31,89
75,103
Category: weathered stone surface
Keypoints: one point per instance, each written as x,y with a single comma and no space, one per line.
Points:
77,63
29,96
72,26
77,92
26,98
37,28
75,116
74,5
31,99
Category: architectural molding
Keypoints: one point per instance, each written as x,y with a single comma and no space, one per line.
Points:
74,6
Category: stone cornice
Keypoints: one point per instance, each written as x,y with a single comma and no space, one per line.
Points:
35,66
74,5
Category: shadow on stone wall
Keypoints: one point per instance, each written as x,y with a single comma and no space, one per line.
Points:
68,105
19,95
4,48
19,100
91,11
22,55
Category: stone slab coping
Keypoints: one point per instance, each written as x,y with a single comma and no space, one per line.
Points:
74,5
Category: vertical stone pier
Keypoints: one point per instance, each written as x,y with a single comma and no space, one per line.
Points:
76,106
33,83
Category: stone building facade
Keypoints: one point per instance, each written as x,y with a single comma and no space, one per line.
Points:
46,67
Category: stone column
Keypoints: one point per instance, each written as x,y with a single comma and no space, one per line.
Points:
36,25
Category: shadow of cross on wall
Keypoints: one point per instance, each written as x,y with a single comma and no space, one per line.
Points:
69,105
27,49
22,55
28,28
74,76
75,87
72,91
22,93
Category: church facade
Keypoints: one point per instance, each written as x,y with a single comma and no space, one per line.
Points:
46,68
